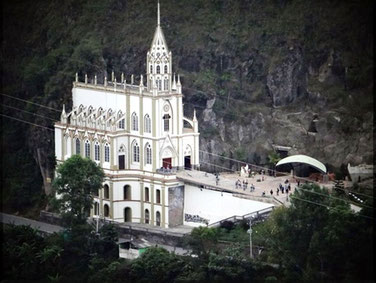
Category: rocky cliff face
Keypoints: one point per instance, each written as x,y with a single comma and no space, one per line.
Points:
287,81
298,117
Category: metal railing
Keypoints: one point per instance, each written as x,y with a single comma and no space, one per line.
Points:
263,213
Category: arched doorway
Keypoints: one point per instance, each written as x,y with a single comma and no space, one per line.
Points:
168,158
147,216
106,191
121,157
127,191
158,218
187,158
146,194
127,214
106,210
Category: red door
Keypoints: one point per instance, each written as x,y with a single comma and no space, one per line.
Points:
167,162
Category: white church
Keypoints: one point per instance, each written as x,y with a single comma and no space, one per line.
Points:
140,137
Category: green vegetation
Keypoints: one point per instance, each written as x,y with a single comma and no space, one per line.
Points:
337,243
76,181
223,50
308,241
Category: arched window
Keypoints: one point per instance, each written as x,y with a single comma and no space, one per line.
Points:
106,210
166,122
96,151
121,124
159,83
87,149
96,193
165,69
146,194
151,69
147,154
136,152
122,157
166,84
106,192
96,208
78,146
158,198
109,113
127,192
147,216
106,153
158,218
134,122
158,69
127,214
147,122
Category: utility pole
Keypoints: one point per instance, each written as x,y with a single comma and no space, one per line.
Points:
97,226
250,238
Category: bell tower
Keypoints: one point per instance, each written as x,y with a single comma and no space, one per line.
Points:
159,61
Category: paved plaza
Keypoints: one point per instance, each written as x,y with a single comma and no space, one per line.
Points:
262,183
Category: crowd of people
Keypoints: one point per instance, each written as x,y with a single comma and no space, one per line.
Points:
244,185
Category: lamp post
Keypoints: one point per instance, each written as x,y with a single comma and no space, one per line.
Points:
249,231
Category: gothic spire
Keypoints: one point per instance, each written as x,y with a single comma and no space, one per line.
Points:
159,17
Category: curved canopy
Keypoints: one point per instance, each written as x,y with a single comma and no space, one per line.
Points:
300,158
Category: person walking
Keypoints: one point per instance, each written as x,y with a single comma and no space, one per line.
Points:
277,191
271,192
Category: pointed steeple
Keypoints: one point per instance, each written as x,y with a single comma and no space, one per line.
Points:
174,83
159,17
178,85
195,122
63,116
158,61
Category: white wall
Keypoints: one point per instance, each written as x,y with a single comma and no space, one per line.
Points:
99,98
58,145
211,205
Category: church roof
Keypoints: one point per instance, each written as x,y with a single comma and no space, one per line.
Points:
159,42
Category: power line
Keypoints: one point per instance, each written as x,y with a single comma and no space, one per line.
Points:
27,101
221,97
35,114
264,168
355,192
299,188
329,207
243,162
220,156
23,121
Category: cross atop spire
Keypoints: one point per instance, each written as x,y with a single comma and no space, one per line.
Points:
159,16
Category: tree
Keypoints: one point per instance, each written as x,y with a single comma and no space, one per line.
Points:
318,238
202,241
156,265
273,159
77,179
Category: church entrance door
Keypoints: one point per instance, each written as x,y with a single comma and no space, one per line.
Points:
187,163
121,162
167,163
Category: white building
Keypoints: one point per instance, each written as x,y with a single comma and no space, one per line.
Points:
140,137
132,131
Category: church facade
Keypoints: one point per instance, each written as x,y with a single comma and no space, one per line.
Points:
138,134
